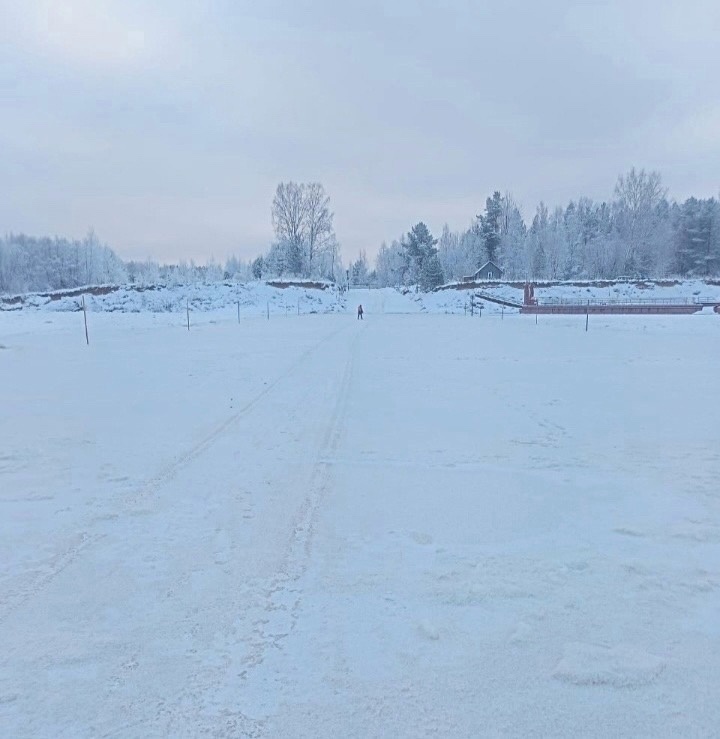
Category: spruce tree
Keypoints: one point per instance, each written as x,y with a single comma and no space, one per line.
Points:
432,274
490,226
419,246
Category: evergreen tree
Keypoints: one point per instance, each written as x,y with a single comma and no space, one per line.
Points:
359,270
490,226
694,237
432,274
419,245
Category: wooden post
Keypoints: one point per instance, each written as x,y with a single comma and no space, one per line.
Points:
536,315
587,315
472,305
502,313
268,310
87,337
238,311
187,306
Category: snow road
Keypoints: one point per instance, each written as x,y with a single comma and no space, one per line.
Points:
414,525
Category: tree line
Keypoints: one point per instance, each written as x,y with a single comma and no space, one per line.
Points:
31,264
640,233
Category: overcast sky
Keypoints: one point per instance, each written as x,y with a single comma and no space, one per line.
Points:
167,125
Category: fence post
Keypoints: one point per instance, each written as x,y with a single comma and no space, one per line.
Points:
187,305
87,337
238,311
587,315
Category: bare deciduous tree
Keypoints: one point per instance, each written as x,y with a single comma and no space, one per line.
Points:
638,196
289,219
303,223
319,227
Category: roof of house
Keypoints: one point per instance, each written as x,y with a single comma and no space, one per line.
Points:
488,264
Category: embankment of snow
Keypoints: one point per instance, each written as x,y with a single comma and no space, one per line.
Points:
455,298
252,297
291,296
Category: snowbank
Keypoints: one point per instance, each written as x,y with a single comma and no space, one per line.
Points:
253,298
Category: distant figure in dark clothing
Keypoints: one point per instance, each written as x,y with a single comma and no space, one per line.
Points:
360,313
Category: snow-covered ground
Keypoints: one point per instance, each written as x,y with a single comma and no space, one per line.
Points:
414,525
258,298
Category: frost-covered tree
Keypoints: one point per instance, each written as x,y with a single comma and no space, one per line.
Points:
327,261
359,270
539,237
289,219
320,235
512,254
258,266
490,224
696,248
390,265
29,264
305,242
449,252
418,245
431,274
638,197
556,246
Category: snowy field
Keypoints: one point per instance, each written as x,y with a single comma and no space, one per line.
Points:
418,525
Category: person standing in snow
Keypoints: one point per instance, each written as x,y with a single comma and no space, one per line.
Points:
360,313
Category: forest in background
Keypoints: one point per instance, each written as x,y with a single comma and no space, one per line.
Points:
639,233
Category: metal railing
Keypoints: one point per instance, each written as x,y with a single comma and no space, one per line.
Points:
629,301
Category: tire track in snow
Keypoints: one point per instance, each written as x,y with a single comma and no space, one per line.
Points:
180,462
279,602
282,597
14,600
11,602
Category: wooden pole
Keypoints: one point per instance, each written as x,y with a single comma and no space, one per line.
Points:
238,311
502,313
187,305
87,337
587,315
268,310
536,315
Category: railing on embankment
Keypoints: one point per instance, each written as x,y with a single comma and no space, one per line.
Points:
500,301
641,305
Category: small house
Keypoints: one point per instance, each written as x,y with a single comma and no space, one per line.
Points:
489,271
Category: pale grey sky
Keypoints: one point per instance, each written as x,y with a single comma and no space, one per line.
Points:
167,125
